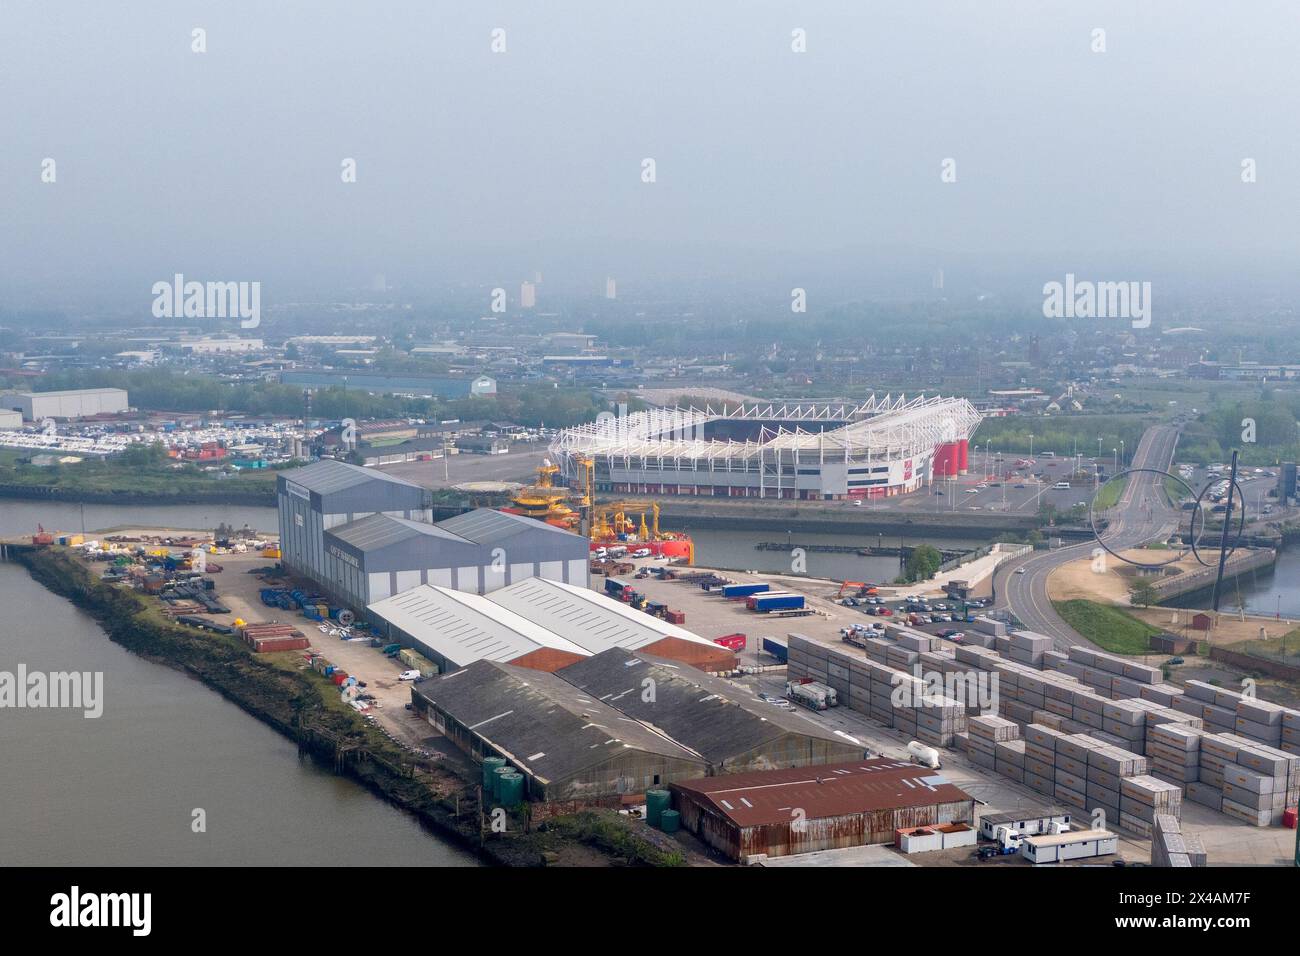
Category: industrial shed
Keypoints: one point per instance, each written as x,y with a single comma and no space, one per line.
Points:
454,629
567,745
780,812
722,722
599,623
534,623
72,403
479,551
326,494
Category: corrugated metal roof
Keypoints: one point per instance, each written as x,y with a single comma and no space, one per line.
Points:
541,724
770,797
329,475
380,531
712,716
587,617
465,628
486,526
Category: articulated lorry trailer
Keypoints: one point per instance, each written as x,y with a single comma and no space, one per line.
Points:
775,601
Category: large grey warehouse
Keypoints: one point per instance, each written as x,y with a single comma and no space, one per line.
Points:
363,536
75,403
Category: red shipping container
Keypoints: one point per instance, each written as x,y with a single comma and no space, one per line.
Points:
733,642
265,645
339,677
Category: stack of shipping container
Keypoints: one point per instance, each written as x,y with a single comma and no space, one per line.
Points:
1171,847
887,694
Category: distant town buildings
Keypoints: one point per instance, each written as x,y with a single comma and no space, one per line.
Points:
423,386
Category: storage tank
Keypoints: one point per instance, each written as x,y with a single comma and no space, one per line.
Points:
490,767
670,821
925,756
656,802
512,788
497,775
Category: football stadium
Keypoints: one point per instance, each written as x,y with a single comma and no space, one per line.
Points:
805,450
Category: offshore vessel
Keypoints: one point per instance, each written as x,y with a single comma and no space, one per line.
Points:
609,524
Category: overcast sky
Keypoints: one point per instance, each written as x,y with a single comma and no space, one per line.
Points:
226,164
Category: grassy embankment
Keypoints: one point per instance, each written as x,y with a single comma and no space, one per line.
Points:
1109,628
303,705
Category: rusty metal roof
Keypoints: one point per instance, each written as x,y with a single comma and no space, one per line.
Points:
768,797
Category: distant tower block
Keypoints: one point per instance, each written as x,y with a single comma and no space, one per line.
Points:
937,280
527,295
537,277
611,289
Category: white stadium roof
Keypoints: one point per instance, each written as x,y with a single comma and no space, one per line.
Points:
878,428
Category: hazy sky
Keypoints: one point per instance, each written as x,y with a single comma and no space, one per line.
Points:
472,165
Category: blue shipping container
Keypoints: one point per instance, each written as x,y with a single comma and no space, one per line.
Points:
776,646
777,602
743,590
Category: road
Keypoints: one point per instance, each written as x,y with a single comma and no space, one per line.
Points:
1141,515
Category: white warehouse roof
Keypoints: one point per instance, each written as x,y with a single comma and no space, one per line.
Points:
464,628
527,616
588,617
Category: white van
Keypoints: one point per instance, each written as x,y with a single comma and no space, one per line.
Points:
1062,486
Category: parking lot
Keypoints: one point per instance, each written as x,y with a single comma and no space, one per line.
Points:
519,464
712,616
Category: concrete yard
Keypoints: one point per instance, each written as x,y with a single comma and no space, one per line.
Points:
519,464
709,615
239,591
1226,841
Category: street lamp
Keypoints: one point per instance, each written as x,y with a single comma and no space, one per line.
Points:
1121,451
1031,444
1115,452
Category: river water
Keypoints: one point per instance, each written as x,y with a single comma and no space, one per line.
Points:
121,789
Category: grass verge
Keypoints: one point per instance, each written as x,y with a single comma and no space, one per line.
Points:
1109,628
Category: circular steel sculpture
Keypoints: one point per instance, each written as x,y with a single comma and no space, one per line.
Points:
1241,520
1092,520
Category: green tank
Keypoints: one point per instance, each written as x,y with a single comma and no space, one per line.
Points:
490,765
512,789
656,802
670,821
497,776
